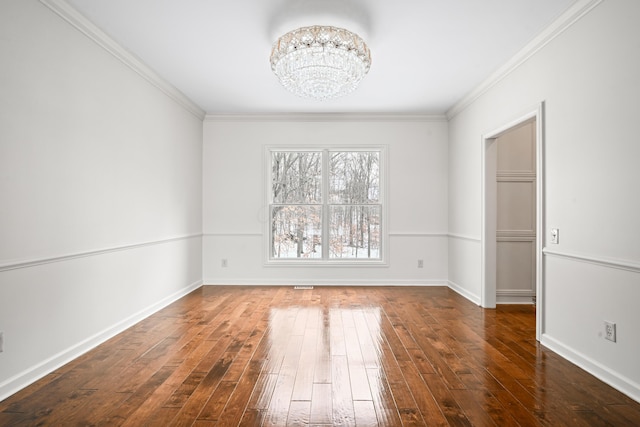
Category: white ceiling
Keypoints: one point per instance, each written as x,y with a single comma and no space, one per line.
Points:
426,54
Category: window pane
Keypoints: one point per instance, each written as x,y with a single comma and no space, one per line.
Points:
354,231
354,177
296,177
296,232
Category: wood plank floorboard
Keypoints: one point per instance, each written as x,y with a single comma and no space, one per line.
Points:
329,356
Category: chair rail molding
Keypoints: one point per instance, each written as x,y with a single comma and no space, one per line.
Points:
619,264
60,258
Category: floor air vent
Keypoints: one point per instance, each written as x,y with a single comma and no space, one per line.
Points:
302,287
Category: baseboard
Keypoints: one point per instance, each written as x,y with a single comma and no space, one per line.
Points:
453,286
350,282
514,297
603,373
31,375
465,293
514,301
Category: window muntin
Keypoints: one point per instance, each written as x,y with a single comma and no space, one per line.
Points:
325,205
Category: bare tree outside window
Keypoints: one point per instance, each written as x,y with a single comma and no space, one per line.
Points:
325,205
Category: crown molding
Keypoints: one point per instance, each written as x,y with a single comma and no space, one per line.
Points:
82,24
576,11
325,117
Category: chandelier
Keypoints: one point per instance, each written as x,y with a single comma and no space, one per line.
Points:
320,62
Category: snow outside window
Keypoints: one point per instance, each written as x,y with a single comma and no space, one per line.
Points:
325,204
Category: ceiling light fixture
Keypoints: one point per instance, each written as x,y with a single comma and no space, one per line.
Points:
320,62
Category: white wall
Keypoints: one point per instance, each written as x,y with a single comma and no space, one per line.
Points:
100,192
103,192
234,186
588,80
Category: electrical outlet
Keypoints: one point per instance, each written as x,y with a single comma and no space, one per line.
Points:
223,263
420,263
610,331
1,342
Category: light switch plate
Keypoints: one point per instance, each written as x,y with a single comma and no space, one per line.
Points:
555,236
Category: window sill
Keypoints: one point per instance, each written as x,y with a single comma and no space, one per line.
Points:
326,264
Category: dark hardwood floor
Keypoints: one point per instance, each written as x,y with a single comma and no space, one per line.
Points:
276,356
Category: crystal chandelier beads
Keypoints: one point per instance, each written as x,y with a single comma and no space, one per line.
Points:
320,62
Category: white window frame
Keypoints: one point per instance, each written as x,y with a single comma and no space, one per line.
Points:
382,261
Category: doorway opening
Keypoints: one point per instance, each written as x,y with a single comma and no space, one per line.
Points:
513,215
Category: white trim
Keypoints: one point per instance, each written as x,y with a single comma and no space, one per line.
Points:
619,264
325,261
510,177
428,235
405,234
463,292
598,370
67,257
322,263
516,235
488,277
512,124
33,374
323,282
515,292
325,117
82,24
515,176
514,296
464,237
513,301
559,26
232,234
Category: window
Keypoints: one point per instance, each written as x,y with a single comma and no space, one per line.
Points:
325,205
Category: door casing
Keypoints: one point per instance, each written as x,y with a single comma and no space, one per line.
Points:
489,212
